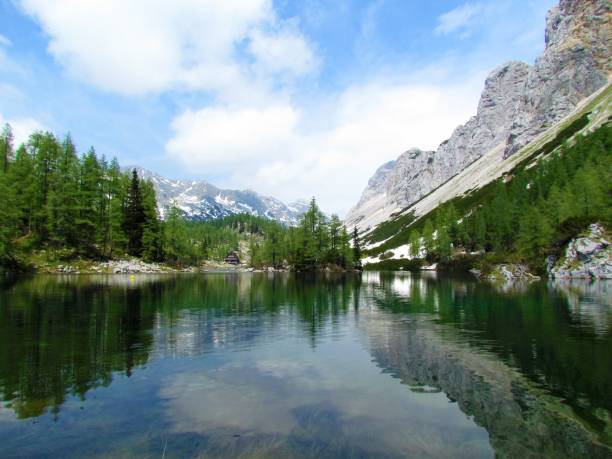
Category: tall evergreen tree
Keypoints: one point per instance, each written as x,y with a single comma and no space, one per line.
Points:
63,205
415,244
134,218
6,147
89,205
356,249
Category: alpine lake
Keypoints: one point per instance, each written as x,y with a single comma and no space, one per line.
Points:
261,365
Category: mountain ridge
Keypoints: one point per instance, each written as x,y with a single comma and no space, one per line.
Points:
201,200
518,103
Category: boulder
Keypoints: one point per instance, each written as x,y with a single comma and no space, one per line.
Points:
586,257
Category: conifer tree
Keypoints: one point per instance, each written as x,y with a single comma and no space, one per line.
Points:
6,147
89,210
22,172
335,227
118,184
152,243
356,249
63,196
479,236
428,238
134,217
44,150
534,234
415,244
344,245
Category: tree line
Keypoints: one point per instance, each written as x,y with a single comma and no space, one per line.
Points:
529,214
52,197
316,242
84,206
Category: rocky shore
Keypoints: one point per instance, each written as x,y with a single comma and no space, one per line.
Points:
586,257
136,266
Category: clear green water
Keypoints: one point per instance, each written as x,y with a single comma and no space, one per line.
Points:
255,365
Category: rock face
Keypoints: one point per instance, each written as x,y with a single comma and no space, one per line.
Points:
518,103
199,200
575,64
588,257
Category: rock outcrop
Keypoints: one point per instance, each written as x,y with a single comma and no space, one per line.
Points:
510,272
587,257
575,63
518,102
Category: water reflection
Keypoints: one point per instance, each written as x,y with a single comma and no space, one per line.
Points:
277,365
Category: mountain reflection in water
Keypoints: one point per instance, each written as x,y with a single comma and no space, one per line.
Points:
230,365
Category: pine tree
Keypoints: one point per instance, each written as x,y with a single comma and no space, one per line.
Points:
117,187
428,238
479,237
89,210
6,148
22,172
453,225
344,245
152,244
134,218
415,244
534,234
63,196
45,151
335,226
356,249
443,243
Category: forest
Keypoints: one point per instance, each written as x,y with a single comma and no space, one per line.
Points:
72,206
524,216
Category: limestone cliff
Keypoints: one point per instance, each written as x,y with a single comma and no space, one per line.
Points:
518,103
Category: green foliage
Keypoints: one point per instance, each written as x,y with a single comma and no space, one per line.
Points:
529,212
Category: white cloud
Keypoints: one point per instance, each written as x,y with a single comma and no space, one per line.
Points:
141,46
4,41
284,51
22,128
271,149
460,18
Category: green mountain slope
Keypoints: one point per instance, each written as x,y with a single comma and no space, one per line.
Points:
388,244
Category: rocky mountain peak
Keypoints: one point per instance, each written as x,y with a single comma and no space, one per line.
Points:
200,200
518,103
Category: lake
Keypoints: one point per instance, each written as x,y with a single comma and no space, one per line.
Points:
386,365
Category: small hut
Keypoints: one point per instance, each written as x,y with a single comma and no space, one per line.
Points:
232,258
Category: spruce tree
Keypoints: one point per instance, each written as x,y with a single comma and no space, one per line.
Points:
356,249
134,218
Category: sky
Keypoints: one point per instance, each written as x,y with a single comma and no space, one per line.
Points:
289,98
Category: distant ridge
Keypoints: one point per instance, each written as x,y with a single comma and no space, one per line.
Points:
200,200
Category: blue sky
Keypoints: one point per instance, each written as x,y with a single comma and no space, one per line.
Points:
289,98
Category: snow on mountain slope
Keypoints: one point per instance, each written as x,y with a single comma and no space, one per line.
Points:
200,200
493,165
518,103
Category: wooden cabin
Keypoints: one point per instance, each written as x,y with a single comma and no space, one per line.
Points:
232,258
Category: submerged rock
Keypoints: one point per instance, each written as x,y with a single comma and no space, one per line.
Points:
587,257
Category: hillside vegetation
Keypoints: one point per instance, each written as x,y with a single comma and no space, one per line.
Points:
524,215
58,206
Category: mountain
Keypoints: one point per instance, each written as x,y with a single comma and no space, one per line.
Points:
519,103
199,200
